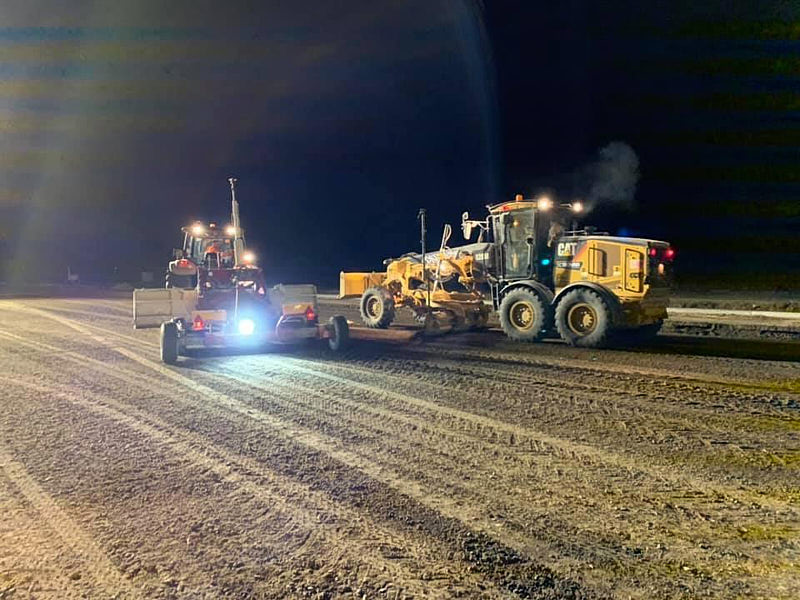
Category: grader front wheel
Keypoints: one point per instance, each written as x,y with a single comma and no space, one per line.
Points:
377,308
523,315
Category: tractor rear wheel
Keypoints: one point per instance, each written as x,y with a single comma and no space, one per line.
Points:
169,343
583,319
523,315
340,333
377,308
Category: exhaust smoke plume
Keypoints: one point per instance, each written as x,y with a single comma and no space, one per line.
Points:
612,178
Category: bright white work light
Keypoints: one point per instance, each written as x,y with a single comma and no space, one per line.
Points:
246,326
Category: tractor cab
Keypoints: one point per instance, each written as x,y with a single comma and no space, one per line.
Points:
208,246
206,257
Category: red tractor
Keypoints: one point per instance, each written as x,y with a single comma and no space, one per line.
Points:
216,297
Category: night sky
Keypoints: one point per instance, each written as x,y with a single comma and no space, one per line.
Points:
121,121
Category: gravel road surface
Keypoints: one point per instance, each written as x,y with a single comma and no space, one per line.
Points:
464,466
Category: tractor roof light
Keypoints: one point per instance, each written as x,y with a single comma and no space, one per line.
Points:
577,206
544,203
198,229
230,230
248,257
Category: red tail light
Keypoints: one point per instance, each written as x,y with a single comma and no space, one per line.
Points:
653,252
669,253
198,324
310,314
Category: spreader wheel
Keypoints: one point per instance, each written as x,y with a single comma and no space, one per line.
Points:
169,343
340,333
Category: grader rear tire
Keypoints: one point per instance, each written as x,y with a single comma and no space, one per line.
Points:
584,319
377,308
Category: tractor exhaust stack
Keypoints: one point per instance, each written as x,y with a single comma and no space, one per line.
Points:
238,240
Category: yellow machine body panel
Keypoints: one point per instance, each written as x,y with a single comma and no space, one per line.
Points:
621,266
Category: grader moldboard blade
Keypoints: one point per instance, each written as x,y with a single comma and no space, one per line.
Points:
392,335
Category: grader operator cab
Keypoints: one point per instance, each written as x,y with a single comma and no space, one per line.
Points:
539,277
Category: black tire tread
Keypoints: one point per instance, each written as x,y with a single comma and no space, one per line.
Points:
541,320
387,316
168,342
340,339
600,336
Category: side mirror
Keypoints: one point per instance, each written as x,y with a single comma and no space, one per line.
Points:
177,253
466,226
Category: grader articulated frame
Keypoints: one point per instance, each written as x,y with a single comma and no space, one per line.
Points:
439,289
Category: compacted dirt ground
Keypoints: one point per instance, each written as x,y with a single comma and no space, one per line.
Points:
463,466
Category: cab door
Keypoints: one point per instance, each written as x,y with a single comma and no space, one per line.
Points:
633,270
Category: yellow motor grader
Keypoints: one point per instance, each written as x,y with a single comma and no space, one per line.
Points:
438,288
542,279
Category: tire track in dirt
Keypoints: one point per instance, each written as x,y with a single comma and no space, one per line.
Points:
73,537
602,381
290,401
532,579
567,447
583,370
306,508
640,420
697,527
143,382
289,359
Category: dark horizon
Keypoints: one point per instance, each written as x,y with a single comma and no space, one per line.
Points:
122,125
